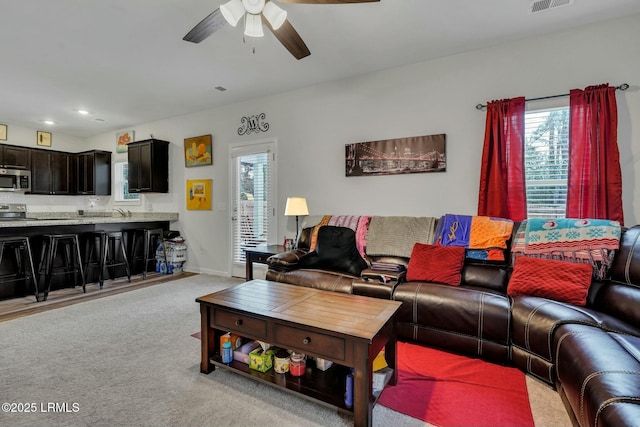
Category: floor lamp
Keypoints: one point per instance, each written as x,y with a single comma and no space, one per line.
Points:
296,206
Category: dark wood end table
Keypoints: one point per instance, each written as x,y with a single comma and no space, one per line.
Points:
260,254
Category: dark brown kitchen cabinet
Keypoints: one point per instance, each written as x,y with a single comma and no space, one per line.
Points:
13,157
51,172
148,166
93,173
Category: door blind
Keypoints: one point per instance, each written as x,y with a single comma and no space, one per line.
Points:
253,204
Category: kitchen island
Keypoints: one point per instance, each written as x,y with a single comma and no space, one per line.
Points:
38,224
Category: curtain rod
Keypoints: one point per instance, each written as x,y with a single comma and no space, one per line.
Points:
623,86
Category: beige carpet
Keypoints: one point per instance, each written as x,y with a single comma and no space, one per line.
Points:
129,359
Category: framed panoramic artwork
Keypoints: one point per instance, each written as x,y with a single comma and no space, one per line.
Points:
3,132
199,194
122,139
414,154
43,138
197,151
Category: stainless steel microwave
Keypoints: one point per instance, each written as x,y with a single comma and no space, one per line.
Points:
15,180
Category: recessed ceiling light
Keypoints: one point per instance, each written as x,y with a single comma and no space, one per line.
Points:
83,112
220,88
49,122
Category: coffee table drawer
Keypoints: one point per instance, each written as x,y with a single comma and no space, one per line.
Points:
240,323
315,343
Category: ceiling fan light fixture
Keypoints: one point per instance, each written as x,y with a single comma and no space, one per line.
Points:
253,26
274,14
253,7
232,11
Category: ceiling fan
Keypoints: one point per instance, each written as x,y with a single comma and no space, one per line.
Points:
253,11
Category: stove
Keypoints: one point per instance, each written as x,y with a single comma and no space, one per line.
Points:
13,212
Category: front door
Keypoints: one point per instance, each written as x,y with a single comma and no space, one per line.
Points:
253,199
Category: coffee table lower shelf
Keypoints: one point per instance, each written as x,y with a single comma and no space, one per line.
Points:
324,387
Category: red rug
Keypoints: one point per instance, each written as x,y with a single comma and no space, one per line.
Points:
449,390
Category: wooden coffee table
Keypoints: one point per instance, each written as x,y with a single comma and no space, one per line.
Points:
349,330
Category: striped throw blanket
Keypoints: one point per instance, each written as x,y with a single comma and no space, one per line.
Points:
589,241
485,238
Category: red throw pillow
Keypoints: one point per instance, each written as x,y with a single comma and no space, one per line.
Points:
432,263
548,278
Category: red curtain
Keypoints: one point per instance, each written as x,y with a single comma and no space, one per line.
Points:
502,189
594,188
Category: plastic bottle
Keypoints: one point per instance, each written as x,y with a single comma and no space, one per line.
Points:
348,394
227,352
157,266
163,267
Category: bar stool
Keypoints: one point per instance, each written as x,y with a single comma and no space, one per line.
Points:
151,238
71,255
24,262
108,243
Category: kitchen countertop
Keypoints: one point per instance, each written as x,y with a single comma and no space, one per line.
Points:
39,219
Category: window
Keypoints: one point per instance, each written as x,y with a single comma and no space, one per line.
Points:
122,194
546,160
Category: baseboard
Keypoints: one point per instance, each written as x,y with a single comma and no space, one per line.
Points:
208,271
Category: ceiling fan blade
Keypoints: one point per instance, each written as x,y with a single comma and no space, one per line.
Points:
206,27
290,39
327,1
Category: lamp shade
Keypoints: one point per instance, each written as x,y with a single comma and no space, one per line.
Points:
253,26
232,11
274,14
296,206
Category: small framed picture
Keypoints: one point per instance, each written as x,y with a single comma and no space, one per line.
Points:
3,132
43,138
122,139
197,151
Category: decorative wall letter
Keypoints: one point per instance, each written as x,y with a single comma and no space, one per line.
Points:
252,124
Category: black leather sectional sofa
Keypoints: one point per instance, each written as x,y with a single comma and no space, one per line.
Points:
590,355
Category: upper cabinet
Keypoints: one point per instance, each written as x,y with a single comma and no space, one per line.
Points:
51,172
15,157
61,173
148,166
93,173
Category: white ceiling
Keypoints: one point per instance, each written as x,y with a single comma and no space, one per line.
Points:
126,63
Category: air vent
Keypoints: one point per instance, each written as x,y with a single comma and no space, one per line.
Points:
220,88
540,5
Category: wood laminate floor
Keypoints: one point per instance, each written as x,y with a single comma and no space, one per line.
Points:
24,306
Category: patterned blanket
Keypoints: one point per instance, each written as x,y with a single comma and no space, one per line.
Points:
484,237
589,241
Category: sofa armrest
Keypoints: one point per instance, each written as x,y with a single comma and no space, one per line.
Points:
377,284
286,260
383,276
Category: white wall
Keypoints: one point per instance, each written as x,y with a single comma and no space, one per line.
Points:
26,137
313,125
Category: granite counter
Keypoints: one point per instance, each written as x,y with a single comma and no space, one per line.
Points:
62,218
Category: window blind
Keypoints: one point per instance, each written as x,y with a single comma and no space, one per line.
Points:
546,162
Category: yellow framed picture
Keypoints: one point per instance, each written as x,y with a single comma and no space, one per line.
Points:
43,138
3,132
199,194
